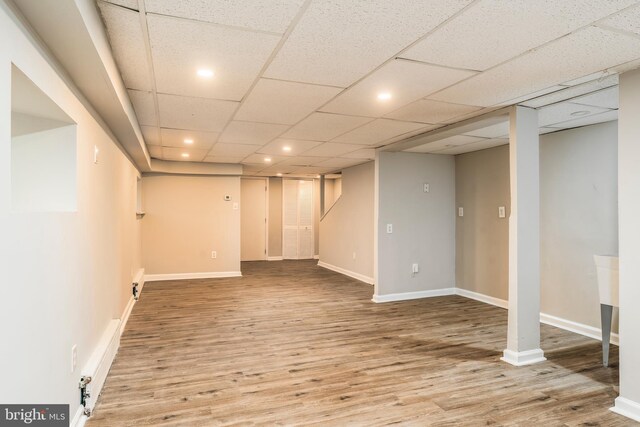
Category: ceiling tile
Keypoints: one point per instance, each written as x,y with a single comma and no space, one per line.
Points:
324,126
405,81
312,170
493,31
607,98
629,20
144,107
173,153
151,135
280,168
427,111
572,92
296,147
180,48
251,133
249,169
274,101
441,144
570,57
474,146
264,15
365,153
336,43
494,131
378,131
332,149
260,159
564,111
131,4
127,43
222,159
176,138
607,116
302,160
181,112
340,163
233,150
155,151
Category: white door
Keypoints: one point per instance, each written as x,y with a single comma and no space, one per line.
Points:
253,219
297,219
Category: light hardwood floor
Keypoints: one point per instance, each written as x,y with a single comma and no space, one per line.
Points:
293,344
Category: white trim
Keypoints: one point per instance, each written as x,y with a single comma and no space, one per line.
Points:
79,419
274,258
184,276
357,276
413,295
139,279
316,257
522,358
578,328
99,363
482,298
627,408
126,314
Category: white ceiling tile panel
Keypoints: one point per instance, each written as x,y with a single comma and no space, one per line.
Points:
155,151
249,169
332,149
131,4
173,153
572,92
578,54
607,98
427,111
302,160
233,150
280,168
523,98
494,131
365,153
338,42
260,159
296,147
312,170
474,146
251,133
378,131
340,163
144,107
151,135
441,144
222,159
405,81
176,138
180,48
275,101
324,126
493,31
263,15
127,43
629,20
181,112
607,116
565,111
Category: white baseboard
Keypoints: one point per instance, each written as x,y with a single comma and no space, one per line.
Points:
79,419
98,365
627,408
522,358
183,276
413,295
547,319
316,257
357,276
125,315
274,258
139,279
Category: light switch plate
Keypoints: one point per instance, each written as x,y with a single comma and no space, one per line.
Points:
460,212
427,187
389,228
502,213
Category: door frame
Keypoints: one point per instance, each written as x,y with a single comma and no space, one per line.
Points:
266,212
313,194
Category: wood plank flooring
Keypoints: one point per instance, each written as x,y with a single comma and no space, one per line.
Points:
291,343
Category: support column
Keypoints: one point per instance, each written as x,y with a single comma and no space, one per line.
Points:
523,336
628,403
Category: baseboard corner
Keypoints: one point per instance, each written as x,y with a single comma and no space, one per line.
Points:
352,274
523,358
627,408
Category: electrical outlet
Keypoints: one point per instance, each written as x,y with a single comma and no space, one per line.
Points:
235,206
414,269
460,212
214,254
502,213
74,358
427,188
96,153
389,228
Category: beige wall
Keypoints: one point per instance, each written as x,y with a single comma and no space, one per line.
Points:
275,217
482,238
348,227
187,218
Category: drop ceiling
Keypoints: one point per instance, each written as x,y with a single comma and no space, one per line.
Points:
296,84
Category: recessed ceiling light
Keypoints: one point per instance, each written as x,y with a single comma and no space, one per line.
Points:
279,174
188,141
317,176
205,72
286,148
185,155
580,113
384,96
267,159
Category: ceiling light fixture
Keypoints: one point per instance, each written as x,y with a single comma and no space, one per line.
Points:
188,141
286,148
580,113
205,72
267,159
185,155
384,96
279,174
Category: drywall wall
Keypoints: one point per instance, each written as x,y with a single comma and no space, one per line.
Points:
275,218
347,228
482,238
316,217
423,223
186,219
66,275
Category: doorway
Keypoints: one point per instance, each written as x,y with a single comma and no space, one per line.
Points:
297,219
253,219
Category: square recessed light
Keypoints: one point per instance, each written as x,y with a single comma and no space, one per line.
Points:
267,159
185,155
286,148
188,141
205,73
384,96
